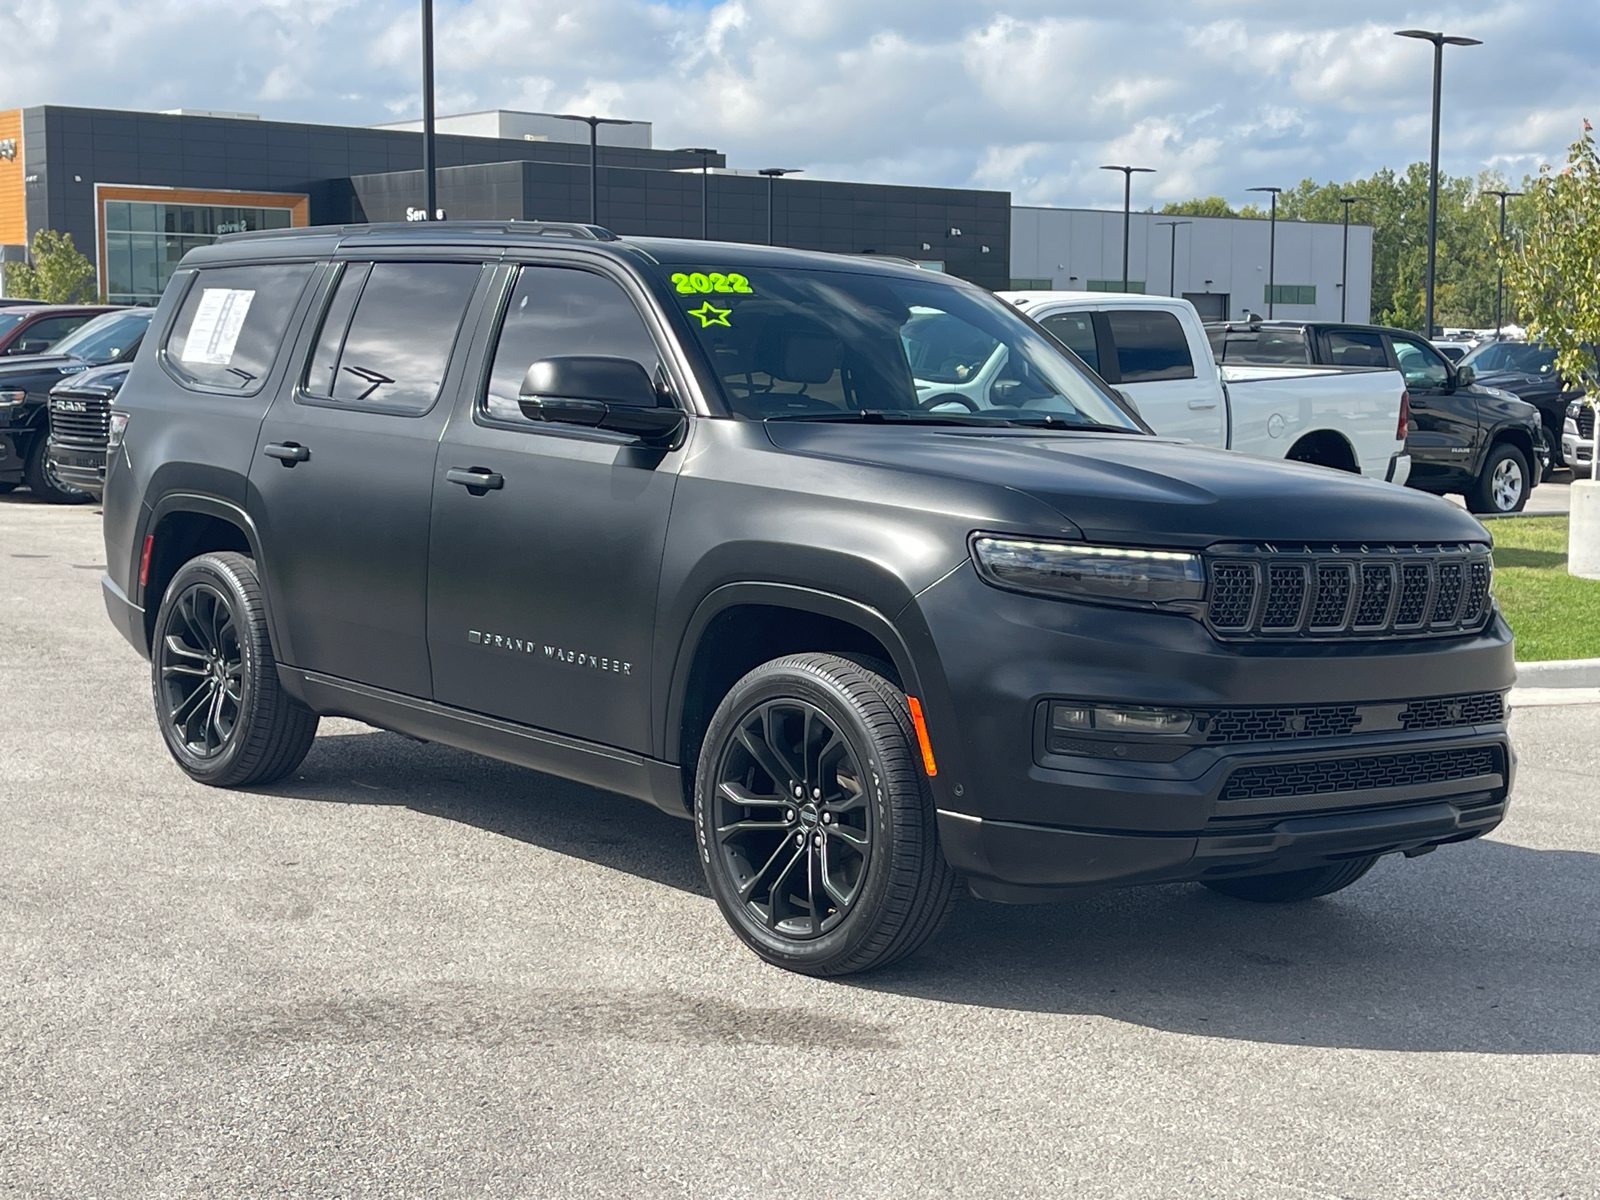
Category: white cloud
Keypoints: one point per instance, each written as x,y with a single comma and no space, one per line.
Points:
1030,97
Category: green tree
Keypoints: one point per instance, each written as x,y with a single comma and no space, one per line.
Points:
1211,206
1555,274
55,273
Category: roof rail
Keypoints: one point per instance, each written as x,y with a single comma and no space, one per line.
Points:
558,229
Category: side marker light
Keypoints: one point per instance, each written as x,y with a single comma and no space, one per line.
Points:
921,727
144,559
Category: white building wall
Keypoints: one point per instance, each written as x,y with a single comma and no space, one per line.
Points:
1072,246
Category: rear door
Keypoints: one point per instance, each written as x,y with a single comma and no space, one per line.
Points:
1444,439
342,479
1170,377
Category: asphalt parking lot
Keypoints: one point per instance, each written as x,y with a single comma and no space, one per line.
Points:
412,972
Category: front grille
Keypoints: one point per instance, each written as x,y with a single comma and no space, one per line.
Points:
89,429
1348,591
1281,723
1367,773
1586,423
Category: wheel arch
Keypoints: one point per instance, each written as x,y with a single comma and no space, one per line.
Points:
1325,448
1516,436
184,525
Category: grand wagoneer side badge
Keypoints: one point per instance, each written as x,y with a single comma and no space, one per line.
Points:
574,658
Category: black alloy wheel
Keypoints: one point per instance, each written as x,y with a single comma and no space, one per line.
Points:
222,712
815,821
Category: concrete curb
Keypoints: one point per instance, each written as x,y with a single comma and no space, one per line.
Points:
1560,673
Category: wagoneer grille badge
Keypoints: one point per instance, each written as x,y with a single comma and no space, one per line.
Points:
1328,591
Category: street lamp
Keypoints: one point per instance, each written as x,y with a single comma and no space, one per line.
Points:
1500,269
1172,267
594,124
773,174
1272,247
1127,199
429,189
1439,41
1344,271
705,174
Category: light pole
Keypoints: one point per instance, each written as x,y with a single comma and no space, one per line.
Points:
773,174
1272,247
1344,270
1439,41
430,191
594,124
1172,266
705,174
1500,268
1127,202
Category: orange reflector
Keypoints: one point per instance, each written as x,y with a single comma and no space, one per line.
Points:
144,559
921,727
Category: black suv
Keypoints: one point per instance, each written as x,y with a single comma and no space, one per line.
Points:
1528,372
670,518
1480,442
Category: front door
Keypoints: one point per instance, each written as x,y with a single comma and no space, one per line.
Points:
542,585
341,481
1444,439
1173,381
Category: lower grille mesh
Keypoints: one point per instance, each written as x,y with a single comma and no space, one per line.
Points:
1360,774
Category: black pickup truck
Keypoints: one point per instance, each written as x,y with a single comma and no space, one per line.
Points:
1480,442
681,520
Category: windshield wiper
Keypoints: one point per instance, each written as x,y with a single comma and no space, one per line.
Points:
1048,421
890,416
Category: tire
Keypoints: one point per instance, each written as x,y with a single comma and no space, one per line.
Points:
7,488
43,481
1502,486
225,718
1291,886
848,874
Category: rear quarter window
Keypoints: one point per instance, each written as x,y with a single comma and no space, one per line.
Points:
232,322
1150,345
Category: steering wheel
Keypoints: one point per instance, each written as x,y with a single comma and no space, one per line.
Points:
933,402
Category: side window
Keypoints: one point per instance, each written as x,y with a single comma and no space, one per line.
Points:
1356,348
1150,345
39,336
387,334
232,322
1421,365
557,311
1076,329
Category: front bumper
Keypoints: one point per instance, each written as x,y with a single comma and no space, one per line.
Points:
1577,453
1014,817
84,469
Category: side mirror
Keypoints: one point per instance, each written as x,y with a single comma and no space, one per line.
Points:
600,392
1465,376
1127,399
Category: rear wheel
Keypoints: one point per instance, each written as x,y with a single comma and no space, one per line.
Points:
1503,484
40,476
224,716
814,819
1291,886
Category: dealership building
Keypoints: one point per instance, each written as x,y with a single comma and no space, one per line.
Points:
139,190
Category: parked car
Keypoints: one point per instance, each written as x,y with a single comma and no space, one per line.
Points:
25,384
1577,438
682,520
35,328
1454,351
83,428
1463,436
1154,349
1528,372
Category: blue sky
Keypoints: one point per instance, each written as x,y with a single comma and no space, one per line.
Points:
1218,95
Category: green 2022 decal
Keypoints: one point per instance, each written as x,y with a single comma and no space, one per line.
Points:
689,285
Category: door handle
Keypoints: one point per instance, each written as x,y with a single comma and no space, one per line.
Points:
288,453
476,480
1202,404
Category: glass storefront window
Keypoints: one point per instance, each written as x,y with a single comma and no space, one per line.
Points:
145,241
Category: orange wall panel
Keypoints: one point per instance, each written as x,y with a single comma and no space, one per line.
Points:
13,193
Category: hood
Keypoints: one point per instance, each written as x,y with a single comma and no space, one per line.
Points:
100,382
1516,382
34,364
1150,491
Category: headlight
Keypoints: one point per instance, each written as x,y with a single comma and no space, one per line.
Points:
117,426
1569,427
1105,573
1066,716
12,399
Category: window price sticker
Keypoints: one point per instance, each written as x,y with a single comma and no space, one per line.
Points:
217,321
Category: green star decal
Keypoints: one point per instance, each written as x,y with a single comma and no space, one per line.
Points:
710,314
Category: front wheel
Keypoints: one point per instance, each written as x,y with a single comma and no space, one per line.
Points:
1290,886
223,714
814,820
1503,484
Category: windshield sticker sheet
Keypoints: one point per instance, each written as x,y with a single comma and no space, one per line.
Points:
217,321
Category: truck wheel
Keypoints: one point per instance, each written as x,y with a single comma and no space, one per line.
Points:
1290,886
814,820
223,714
1502,486
40,476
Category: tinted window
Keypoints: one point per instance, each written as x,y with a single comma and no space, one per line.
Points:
9,320
231,324
1356,348
397,344
104,338
1150,345
1512,356
42,334
555,311
1421,365
1077,331
1267,346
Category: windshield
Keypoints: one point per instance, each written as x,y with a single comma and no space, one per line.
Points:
105,337
1266,346
1521,357
9,321
802,344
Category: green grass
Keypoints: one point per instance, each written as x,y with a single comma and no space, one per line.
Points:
1553,614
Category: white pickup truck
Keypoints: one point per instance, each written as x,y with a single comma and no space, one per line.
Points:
1154,349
